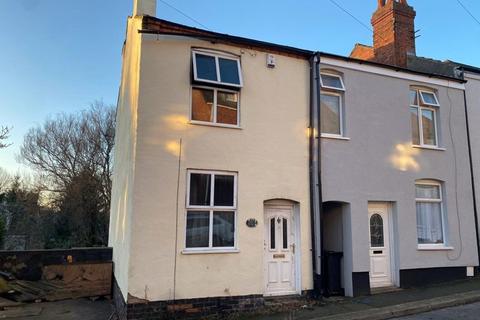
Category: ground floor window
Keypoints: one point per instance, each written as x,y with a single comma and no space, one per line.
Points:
430,218
211,210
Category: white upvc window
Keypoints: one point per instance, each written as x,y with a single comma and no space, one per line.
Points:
429,98
331,81
431,221
331,114
424,113
215,106
211,211
331,105
217,68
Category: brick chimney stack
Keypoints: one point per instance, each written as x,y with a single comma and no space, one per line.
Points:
393,32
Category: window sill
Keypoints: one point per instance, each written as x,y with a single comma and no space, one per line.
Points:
434,248
429,148
209,251
211,124
328,136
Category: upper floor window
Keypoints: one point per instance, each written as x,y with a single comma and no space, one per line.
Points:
423,114
217,69
331,108
216,100
211,210
331,81
215,105
430,217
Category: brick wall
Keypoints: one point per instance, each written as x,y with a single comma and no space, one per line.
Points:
119,301
202,308
215,307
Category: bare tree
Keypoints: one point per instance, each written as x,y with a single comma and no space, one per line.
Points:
99,127
69,144
4,134
73,155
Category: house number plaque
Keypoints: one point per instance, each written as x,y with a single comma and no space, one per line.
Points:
252,223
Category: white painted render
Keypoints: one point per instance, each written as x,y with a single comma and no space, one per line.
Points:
269,152
144,7
121,211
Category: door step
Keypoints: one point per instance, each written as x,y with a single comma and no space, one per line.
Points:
384,290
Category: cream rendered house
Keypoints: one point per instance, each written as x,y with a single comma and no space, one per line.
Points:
246,170
211,143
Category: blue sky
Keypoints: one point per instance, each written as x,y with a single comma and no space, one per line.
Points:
60,55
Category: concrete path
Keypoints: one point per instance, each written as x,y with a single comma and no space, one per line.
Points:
465,312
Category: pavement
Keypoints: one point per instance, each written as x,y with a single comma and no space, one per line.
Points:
386,305
465,312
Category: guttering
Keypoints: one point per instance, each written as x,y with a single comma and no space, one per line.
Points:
471,69
466,67
390,67
315,174
475,212
305,54
177,28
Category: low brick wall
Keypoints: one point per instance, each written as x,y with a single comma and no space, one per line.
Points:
28,264
119,301
213,308
218,307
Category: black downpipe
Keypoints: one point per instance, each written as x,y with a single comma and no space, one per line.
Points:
319,164
311,131
315,175
472,176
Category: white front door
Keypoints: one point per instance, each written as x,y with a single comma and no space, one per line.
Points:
279,250
380,265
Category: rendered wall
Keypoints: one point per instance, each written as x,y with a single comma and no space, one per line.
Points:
473,105
269,152
369,167
124,157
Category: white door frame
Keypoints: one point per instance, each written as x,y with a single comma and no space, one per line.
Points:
298,245
391,238
295,225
